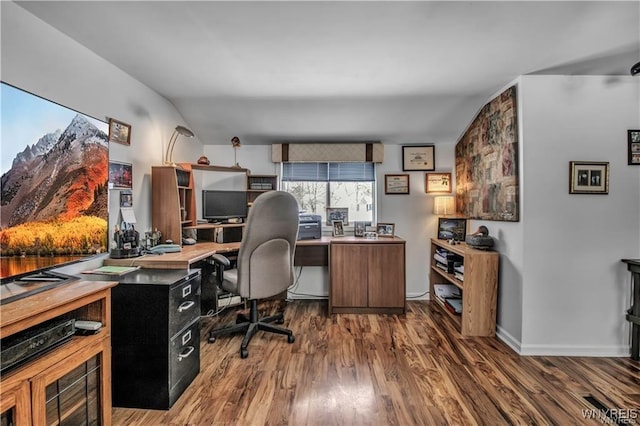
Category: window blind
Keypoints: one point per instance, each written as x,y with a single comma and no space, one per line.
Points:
329,172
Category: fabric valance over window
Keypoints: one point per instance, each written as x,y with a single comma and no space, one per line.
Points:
329,172
327,152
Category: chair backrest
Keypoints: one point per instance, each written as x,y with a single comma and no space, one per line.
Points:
265,258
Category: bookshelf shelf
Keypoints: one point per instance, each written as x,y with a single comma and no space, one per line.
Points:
479,288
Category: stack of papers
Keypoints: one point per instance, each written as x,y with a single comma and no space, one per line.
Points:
446,291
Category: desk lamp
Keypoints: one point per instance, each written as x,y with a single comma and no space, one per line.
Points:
180,130
443,205
235,142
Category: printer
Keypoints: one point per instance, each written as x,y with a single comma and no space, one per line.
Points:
310,226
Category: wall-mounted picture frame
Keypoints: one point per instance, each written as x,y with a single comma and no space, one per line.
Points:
126,198
634,147
385,229
337,213
452,229
396,184
120,175
338,228
119,132
587,177
437,182
418,158
359,228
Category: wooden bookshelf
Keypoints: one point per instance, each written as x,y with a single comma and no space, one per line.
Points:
479,287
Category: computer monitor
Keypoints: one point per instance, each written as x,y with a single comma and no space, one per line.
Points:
223,205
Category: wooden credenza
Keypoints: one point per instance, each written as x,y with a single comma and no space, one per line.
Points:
26,391
367,276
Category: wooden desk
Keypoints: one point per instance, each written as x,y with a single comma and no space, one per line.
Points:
312,252
366,276
179,260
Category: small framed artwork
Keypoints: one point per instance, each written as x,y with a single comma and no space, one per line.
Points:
338,229
634,147
119,132
120,175
385,229
452,229
437,182
337,213
396,184
126,198
418,158
370,235
359,228
588,177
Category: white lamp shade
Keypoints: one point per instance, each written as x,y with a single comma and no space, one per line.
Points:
443,205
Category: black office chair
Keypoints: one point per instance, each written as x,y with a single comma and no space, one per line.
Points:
264,264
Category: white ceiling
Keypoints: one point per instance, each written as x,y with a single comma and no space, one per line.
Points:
322,71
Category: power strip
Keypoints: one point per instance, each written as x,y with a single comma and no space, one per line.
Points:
228,301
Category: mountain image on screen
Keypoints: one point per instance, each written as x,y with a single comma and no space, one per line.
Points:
61,177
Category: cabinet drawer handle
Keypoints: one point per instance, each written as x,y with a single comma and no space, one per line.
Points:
186,352
184,306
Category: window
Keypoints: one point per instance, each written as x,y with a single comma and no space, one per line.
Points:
318,186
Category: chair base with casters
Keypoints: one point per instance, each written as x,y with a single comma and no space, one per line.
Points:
250,325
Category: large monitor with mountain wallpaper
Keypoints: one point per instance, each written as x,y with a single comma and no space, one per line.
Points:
53,204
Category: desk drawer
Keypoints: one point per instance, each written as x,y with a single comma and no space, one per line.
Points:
184,360
184,304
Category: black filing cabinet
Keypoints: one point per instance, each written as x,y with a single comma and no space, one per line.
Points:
155,336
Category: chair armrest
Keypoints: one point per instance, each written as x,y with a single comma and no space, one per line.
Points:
218,258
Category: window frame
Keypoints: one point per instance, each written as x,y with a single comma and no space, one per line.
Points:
329,180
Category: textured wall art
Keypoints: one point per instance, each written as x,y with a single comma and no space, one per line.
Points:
487,162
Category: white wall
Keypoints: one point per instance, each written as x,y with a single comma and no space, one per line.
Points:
42,60
575,289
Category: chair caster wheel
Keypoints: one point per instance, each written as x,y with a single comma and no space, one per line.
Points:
212,339
244,353
279,321
291,338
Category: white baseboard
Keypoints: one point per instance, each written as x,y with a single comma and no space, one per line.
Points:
575,350
508,339
561,350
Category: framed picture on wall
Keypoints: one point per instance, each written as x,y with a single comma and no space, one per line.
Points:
396,184
437,182
418,157
634,147
119,132
588,177
120,175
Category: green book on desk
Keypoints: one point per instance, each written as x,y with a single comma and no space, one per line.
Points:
112,270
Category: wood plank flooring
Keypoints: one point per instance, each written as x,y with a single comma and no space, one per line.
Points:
389,370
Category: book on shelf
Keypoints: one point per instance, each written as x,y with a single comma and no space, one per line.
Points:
454,305
458,276
444,291
441,266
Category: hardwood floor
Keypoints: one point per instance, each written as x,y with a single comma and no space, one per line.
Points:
389,370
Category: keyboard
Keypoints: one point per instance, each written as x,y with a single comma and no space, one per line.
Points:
165,248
